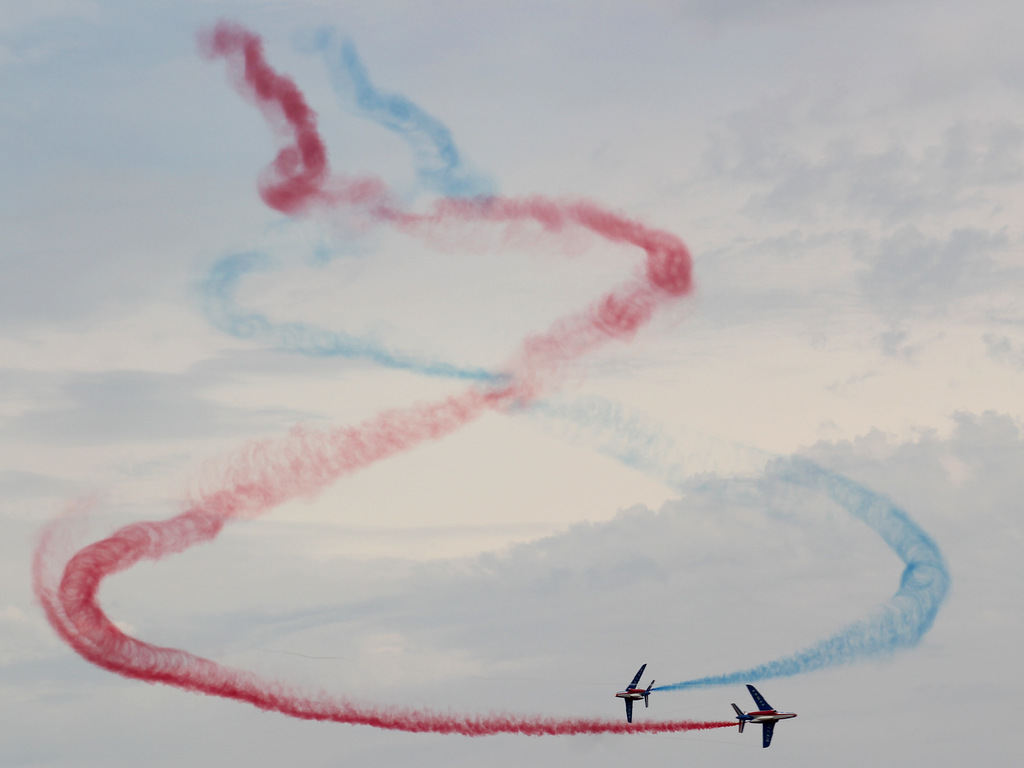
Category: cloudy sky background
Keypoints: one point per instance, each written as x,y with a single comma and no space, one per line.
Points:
848,176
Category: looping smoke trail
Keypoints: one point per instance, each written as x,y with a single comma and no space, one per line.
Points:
439,167
900,622
303,182
266,473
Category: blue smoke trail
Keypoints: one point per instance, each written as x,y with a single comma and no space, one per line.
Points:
218,293
439,168
633,439
900,622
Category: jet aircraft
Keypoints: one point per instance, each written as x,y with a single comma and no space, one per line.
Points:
632,693
766,716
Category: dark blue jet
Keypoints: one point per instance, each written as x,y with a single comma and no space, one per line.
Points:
765,715
632,693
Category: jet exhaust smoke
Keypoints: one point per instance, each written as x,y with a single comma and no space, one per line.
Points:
264,474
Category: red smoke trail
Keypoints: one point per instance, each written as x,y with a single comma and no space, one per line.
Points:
267,473
299,170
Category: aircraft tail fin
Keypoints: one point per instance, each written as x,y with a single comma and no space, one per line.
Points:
739,716
647,694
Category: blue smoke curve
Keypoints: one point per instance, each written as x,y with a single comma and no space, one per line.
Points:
898,623
438,163
218,296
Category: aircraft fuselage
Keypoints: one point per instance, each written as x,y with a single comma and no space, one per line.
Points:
766,716
633,694
769,716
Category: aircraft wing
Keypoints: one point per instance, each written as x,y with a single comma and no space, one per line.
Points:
763,705
637,678
629,710
767,729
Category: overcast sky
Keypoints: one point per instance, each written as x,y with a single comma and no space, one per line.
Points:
849,176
